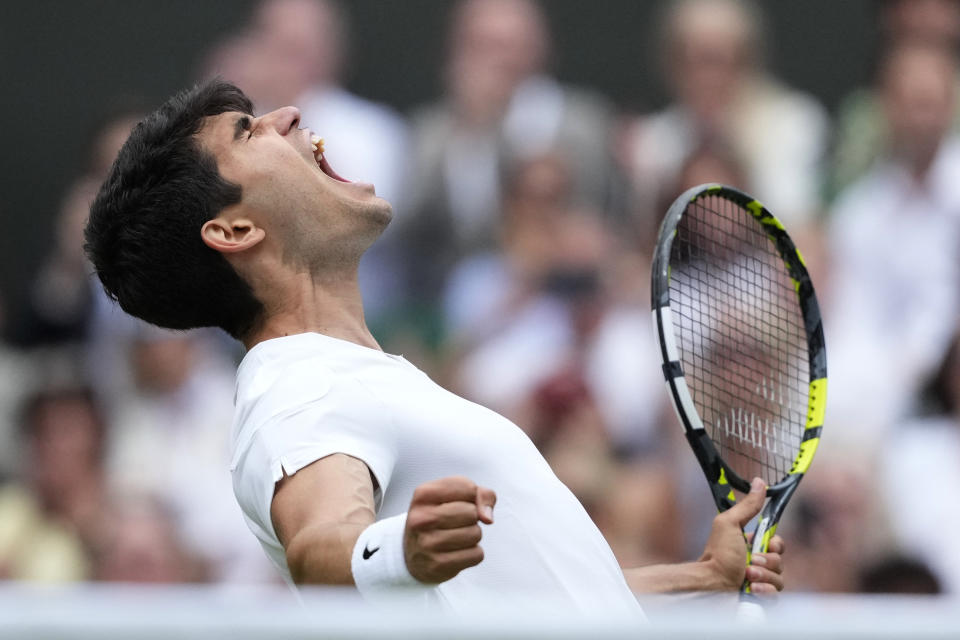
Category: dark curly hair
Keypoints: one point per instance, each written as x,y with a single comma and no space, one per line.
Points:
143,235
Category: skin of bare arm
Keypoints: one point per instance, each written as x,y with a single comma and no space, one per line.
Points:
723,565
318,514
320,511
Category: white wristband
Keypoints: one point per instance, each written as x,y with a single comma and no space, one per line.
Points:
378,563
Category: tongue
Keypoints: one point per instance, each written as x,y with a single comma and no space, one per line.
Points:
327,169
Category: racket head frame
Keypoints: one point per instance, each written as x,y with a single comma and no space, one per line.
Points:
721,478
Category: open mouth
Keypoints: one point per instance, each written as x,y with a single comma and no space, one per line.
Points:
317,143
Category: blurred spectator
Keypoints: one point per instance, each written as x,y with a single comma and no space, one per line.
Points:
17,373
862,131
500,107
928,447
641,513
62,295
170,441
293,53
723,96
141,545
708,163
894,236
538,318
897,574
47,521
835,524
66,316
63,301
487,286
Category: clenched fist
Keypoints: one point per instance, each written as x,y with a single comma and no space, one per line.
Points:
442,535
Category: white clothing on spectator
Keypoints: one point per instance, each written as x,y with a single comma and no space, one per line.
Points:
780,135
175,446
921,473
892,304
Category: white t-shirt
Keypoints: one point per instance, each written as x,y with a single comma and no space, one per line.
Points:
303,397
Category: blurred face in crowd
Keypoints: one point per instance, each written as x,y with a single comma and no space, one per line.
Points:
929,21
495,45
708,165
162,363
538,193
540,189
919,93
298,44
292,212
140,546
65,445
710,50
241,60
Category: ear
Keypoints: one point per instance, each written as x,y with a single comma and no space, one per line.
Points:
231,236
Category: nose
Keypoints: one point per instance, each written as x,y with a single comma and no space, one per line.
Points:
284,120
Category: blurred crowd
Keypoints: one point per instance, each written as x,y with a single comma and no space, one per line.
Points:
516,272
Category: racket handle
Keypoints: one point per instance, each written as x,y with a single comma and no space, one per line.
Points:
749,610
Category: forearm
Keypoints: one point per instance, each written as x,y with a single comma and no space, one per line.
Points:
672,578
321,554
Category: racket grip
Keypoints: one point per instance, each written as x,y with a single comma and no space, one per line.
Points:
749,611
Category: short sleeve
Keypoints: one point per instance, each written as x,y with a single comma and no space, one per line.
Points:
348,420
288,417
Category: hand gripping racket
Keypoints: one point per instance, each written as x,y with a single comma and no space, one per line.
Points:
742,346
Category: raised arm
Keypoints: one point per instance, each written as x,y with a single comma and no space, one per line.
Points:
723,564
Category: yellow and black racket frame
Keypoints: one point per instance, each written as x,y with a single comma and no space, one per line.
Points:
722,479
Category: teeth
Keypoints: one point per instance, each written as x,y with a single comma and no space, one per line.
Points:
317,143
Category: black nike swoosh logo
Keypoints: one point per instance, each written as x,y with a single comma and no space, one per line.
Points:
367,552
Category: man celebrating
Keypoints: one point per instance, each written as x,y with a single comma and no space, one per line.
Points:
351,466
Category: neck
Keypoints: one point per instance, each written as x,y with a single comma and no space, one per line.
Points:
918,158
306,303
920,166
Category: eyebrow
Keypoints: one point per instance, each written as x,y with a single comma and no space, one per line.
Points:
239,127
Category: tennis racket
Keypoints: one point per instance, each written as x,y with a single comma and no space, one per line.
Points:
743,351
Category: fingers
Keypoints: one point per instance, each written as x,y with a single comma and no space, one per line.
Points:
765,572
486,499
744,511
447,565
777,545
762,588
771,561
451,539
449,503
442,516
760,576
442,536
454,488
439,566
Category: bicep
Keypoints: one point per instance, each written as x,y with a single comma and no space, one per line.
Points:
319,512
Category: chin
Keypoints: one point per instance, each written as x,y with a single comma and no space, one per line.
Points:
380,212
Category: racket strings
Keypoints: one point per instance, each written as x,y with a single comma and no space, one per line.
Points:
741,337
